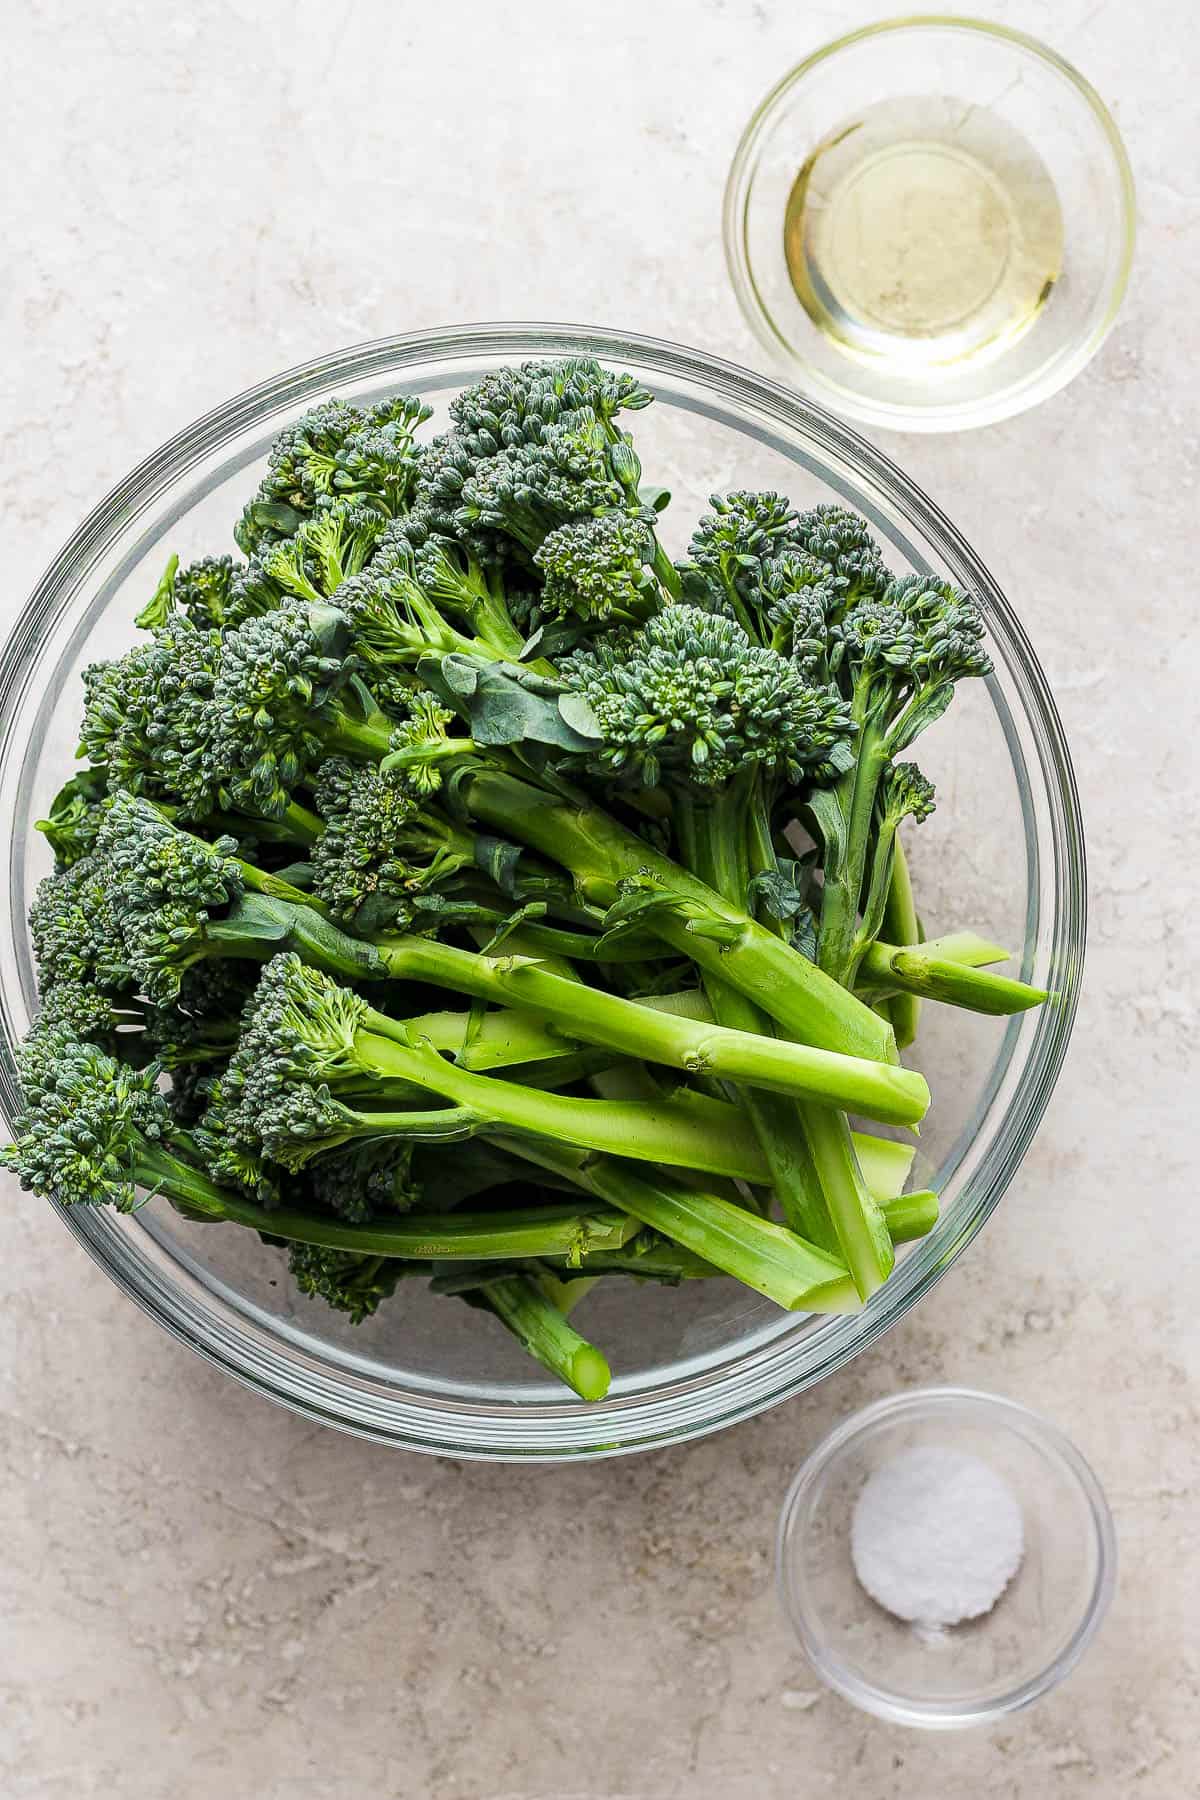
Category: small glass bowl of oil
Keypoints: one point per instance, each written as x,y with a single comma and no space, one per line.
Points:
930,223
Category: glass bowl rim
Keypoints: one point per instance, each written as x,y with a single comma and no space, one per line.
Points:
1002,1413
1006,403
692,1407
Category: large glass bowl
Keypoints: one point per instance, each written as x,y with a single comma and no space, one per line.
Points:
1004,852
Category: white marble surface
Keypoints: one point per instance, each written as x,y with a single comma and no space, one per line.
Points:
201,1594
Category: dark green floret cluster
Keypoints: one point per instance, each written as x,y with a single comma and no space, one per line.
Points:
689,693
431,899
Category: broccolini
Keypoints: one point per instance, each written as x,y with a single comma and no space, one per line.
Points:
427,902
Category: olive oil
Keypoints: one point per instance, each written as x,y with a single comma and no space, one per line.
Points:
925,232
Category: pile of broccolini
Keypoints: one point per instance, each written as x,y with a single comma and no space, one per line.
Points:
428,902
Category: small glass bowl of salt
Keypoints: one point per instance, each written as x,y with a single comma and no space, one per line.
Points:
945,1557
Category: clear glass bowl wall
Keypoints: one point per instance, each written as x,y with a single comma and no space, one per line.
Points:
1003,852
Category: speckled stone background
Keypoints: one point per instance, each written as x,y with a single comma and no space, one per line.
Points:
202,1595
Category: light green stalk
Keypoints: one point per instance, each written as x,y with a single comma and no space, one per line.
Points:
646,1130
764,1256
541,1329
956,979
901,925
879,1090
909,1216
601,854
567,1231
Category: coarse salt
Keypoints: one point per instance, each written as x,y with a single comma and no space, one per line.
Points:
937,1536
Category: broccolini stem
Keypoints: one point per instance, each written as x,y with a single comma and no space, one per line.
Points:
570,1232
296,825
561,1071
966,947
305,825
911,1216
159,1171
566,1295
261,924
264,922
880,1090
923,969
846,856
633,1081
585,946
658,1261
355,737
879,886
666,571
645,1130
258,881
444,750
818,1184
496,1040
858,1226
601,854
492,623
902,926
764,1256
885,1164
542,1330
713,837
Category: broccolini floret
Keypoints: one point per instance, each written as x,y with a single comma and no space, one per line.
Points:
201,592
74,818
335,448
204,589
276,704
730,544
300,1041
166,887
314,1056
393,621
688,694
85,1011
815,586
332,545
90,1124
532,450
513,405
75,928
724,721
842,539
526,491
377,462
898,658
755,556
148,719
93,1131
456,582
365,1181
162,900
352,1284
598,569
421,743
380,846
